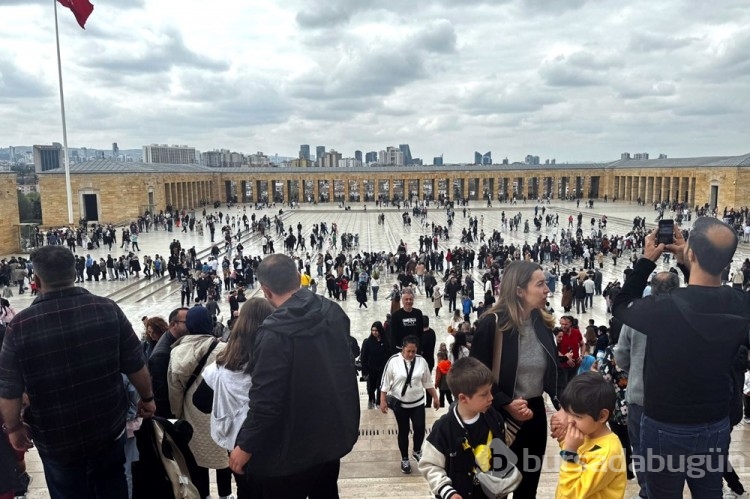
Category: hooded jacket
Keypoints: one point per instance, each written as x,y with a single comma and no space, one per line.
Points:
693,334
304,400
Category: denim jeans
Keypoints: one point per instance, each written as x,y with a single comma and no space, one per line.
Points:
677,453
99,476
635,412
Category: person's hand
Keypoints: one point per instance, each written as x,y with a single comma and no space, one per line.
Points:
238,458
383,407
21,439
651,250
573,438
435,403
519,410
677,248
146,409
558,425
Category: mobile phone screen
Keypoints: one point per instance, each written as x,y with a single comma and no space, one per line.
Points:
666,231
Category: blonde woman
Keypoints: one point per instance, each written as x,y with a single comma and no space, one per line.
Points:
528,363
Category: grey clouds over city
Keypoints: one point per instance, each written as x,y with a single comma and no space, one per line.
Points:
571,80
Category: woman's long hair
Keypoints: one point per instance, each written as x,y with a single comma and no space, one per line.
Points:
458,342
509,307
238,354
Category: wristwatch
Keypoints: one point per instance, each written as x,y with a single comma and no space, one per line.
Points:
569,456
16,428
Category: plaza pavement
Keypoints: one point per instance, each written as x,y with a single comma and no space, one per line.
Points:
372,469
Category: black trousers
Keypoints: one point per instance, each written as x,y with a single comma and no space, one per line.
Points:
417,417
318,482
529,447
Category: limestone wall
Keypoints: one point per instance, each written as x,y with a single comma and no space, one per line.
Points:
10,219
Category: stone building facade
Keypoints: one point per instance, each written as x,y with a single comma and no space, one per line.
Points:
113,192
9,221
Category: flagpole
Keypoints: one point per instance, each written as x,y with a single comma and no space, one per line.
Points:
64,128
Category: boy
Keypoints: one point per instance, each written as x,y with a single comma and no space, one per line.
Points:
448,457
593,462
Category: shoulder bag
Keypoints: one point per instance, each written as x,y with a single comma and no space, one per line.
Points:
511,425
393,402
199,368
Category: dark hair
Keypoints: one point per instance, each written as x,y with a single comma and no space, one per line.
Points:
278,273
467,375
174,313
425,321
379,326
712,256
664,282
238,354
157,325
411,339
55,266
458,342
588,393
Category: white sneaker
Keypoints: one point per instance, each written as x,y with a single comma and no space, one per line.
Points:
728,494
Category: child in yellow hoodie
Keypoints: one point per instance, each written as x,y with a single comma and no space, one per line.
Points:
593,461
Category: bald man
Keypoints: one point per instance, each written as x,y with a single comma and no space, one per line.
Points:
693,334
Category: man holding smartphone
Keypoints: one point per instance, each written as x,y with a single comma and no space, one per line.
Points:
693,336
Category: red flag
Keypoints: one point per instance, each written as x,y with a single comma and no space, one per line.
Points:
82,9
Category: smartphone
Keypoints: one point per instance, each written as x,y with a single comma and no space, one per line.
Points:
665,234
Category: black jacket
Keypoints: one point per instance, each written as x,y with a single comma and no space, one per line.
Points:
693,334
482,347
446,463
302,360
374,356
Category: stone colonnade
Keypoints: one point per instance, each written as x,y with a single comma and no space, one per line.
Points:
189,195
652,189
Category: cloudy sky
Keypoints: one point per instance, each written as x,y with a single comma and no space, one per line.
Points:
574,80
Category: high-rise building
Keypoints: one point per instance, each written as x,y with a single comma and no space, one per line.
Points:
304,151
438,160
371,157
531,160
115,151
84,154
48,157
320,152
258,159
483,159
358,156
391,157
406,152
350,163
331,159
174,155
12,154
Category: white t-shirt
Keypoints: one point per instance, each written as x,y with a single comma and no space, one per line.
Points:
394,378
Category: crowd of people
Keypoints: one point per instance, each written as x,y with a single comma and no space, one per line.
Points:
493,360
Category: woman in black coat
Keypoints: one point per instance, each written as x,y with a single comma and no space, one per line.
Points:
519,315
374,355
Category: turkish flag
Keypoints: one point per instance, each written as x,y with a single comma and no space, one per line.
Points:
82,9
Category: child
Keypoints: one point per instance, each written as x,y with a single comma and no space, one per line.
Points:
441,378
448,457
593,462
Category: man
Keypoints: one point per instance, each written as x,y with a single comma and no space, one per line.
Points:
571,348
301,360
158,363
629,354
67,352
407,320
694,334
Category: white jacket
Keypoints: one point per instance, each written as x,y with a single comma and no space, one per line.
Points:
230,403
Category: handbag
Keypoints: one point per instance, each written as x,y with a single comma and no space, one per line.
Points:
511,425
393,402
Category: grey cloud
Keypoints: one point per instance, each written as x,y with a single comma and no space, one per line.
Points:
168,52
17,84
579,69
496,98
639,87
439,36
652,42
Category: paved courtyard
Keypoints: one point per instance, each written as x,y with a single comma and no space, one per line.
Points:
371,470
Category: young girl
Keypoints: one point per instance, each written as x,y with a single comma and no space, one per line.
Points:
441,380
226,383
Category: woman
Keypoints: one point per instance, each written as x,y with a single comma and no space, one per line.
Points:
528,364
6,311
395,297
226,383
566,301
405,378
437,299
155,328
374,355
458,349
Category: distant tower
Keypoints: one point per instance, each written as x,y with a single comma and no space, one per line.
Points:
115,151
304,151
358,156
320,154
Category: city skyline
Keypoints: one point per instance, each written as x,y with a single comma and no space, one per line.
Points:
575,81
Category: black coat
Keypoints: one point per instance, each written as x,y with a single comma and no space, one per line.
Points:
482,347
